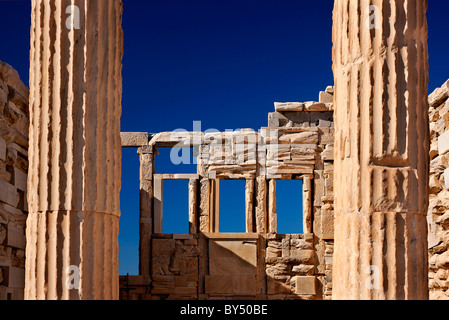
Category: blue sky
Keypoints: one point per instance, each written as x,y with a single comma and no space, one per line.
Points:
222,62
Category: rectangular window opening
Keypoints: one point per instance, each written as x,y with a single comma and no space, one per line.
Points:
129,207
175,207
289,206
232,206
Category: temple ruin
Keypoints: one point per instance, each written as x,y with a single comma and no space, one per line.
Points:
371,154
257,264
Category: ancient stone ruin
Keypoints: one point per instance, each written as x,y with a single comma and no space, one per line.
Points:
258,264
14,122
371,153
438,214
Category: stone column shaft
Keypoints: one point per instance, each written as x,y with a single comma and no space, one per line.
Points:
381,149
75,150
146,157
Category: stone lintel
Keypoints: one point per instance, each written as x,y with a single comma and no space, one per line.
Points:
134,139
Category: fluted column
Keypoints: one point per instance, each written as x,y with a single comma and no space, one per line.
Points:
381,149
75,150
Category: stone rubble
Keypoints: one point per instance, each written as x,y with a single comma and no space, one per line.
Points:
13,182
438,212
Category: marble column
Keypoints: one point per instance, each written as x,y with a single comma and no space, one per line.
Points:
380,68
75,150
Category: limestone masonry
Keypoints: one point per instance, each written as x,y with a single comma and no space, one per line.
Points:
75,152
438,214
258,264
372,154
14,124
381,152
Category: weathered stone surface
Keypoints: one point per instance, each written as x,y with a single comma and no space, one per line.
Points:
303,269
439,95
11,78
307,205
279,285
383,181
305,285
163,247
75,151
273,252
20,180
146,170
306,256
435,184
327,222
378,142
178,139
2,234
184,265
437,166
300,138
272,208
234,285
326,97
2,150
288,106
134,139
438,212
232,258
16,277
8,193
328,153
261,204
16,237
315,106
443,143
446,181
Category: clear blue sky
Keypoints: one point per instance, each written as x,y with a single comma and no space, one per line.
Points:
223,62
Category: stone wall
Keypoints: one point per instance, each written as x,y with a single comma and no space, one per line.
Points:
259,263
438,214
175,263
14,123
296,144
290,264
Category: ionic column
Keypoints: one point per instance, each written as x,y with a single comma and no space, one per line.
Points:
75,150
381,149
